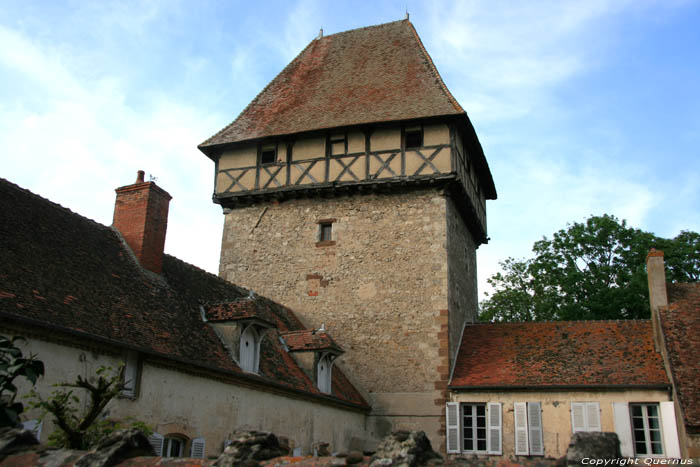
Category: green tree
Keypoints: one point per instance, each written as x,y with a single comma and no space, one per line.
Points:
14,365
590,270
82,429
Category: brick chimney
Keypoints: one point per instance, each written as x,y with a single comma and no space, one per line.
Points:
656,275
141,215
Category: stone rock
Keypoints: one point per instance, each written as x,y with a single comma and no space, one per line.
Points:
247,448
595,445
354,457
13,440
119,446
321,449
405,449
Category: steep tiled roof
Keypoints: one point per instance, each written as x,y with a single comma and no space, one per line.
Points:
309,339
67,273
550,354
374,74
681,328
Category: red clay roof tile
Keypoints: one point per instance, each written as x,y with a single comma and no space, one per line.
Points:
681,328
309,339
568,353
71,274
373,74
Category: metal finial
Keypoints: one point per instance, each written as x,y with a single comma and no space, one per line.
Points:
320,34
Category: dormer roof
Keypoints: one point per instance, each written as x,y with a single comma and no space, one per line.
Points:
310,339
374,74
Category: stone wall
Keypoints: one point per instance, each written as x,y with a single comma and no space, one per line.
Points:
380,286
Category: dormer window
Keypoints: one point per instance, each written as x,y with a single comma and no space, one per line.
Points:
268,154
413,137
249,359
323,373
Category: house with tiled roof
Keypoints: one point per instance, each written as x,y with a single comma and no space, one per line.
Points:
675,312
354,191
203,357
523,389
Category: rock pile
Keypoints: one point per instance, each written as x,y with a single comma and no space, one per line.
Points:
249,447
405,449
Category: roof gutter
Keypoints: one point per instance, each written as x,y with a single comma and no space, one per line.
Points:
251,379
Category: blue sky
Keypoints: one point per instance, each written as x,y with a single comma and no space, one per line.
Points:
582,107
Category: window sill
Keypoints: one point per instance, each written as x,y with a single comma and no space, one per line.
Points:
325,243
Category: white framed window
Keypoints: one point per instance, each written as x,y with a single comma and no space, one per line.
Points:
131,374
585,416
249,354
528,429
647,429
323,373
474,427
174,446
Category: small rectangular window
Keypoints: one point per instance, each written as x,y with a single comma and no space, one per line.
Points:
413,137
326,233
268,154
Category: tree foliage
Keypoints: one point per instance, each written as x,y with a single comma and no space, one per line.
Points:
81,429
590,270
14,365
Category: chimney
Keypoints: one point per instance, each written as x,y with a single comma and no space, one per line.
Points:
656,274
141,215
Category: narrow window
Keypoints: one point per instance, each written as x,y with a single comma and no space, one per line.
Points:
268,154
326,234
413,137
323,375
130,374
474,427
249,350
646,429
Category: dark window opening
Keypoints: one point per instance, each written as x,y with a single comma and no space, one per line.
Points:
326,233
474,427
414,138
267,156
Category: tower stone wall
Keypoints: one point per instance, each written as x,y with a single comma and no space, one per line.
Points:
394,286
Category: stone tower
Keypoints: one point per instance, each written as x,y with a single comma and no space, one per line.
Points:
354,191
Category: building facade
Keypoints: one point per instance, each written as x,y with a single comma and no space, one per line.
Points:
354,190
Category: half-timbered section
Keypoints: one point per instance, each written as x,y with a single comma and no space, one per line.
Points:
354,188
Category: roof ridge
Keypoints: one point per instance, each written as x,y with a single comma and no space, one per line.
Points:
220,279
569,322
372,26
53,204
434,69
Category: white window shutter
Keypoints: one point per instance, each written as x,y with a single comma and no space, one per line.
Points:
534,421
495,430
592,416
672,447
197,450
623,428
521,441
578,416
452,415
156,440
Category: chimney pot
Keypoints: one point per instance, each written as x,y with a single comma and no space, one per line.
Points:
139,176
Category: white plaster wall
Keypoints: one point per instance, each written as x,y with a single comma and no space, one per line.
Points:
173,402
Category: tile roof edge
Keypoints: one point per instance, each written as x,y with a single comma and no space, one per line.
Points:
244,376
209,141
213,276
435,71
53,203
557,387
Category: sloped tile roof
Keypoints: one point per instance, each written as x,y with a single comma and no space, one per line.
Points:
681,328
67,273
309,339
374,74
550,354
